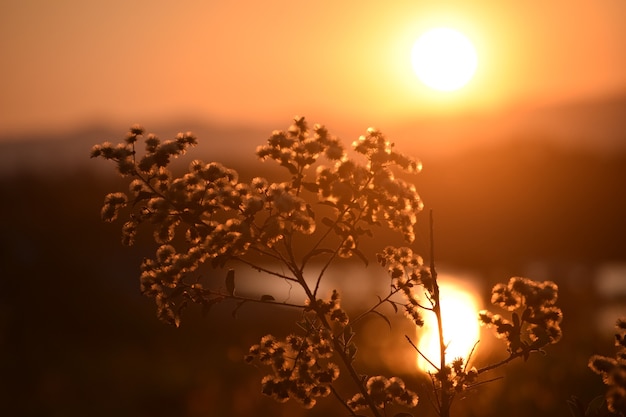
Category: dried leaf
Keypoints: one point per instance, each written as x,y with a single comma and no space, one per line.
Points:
234,313
576,407
383,317
206,308
291,167
177,291
208,303
348,334
361,255
596,406
526,314
315,252
310,186
303,324
362,231
395,307
230,281
328,203
351,351
516,322
328,222
141,196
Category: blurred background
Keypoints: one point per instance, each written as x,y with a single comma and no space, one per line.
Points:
524,168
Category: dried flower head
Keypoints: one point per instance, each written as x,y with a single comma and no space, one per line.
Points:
613,371
299,369
535,318
383,391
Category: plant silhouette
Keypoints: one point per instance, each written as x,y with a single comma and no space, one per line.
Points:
329,200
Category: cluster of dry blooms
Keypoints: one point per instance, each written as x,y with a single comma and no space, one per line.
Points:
222,219
613,371
299,365
537,326
209,216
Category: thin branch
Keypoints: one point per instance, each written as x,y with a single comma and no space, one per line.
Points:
267,271
302,349
469,357
346,209
433,271
334,254
266,253
341,400
324,236
437,404
484,382
434,404
394,290
290,265
324,268
502,362
420,353
255,300
423,307
355,220
374,307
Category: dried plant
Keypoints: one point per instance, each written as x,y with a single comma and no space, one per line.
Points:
613,371
209,216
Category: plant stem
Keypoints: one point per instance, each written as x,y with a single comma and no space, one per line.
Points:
338,348
445,398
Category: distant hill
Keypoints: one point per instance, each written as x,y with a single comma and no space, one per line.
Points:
70,150
597,125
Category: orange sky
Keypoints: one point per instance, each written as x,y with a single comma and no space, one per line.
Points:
69,62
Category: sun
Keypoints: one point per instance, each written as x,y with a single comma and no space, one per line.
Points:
459,306
444,59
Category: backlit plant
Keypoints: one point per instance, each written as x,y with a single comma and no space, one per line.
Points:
613,371
329,200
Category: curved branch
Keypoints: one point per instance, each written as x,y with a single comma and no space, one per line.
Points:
511,357
255,300
267,271
342,401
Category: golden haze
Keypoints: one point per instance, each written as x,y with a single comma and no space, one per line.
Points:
74,61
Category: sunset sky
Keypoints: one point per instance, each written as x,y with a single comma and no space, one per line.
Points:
72,62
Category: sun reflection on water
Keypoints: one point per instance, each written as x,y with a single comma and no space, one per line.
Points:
460,303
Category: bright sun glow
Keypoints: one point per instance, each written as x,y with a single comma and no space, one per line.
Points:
460,326
444,59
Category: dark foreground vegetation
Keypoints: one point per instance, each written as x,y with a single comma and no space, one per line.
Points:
77,338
